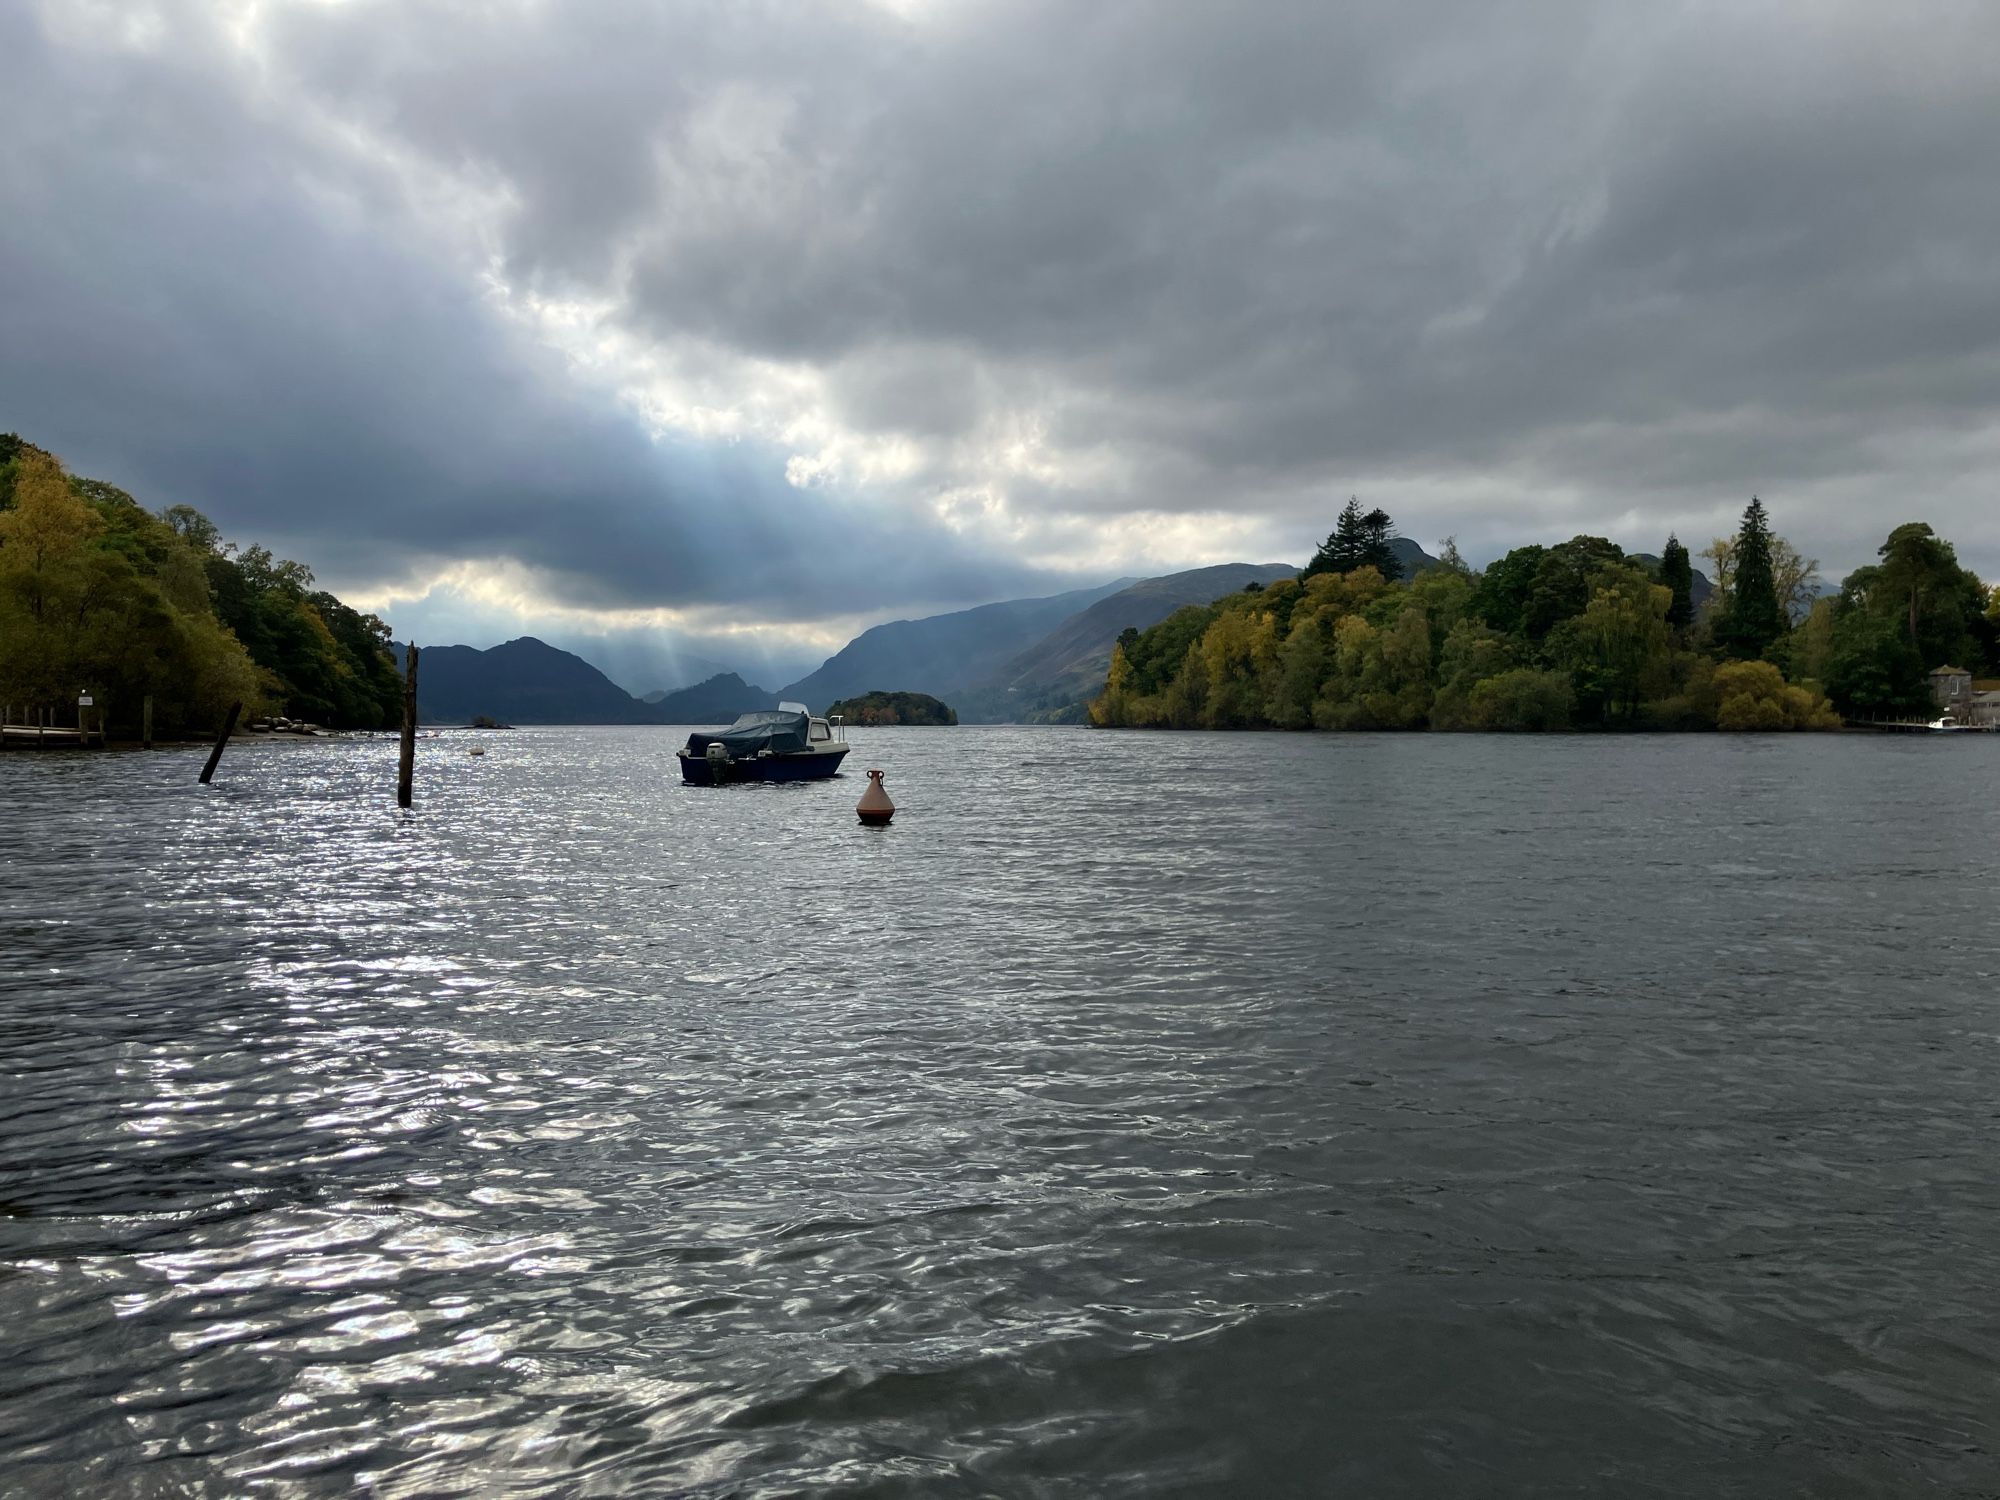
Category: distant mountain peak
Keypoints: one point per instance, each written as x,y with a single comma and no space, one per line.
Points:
528,681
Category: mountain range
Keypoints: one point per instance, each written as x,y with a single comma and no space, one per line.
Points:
943,654
688,671
996,663
528,681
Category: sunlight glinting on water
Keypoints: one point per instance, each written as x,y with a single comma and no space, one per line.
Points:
1139,1114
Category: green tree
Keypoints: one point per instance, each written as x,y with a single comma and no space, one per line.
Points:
1872,670
330,664
1620,646
50,583
97,595
1794,575
1357,540
1473,652
1565,578
1378,545
192,527
1677,574
1445,595
1157,654
1812,649
1940,603
1754,617
1380,675
1301,668
1186,697
1501,598
1239,650
1523,700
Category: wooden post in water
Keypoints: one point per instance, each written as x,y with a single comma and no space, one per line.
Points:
406,764
146,722
222,739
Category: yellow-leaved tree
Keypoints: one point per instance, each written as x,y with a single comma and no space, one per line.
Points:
96,596
1754,695
46,594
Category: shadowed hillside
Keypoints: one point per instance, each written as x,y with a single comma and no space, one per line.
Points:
528,681
943,654
1067,665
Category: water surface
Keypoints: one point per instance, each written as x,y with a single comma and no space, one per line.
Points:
1139,1115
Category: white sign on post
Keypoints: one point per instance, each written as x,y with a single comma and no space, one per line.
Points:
84,700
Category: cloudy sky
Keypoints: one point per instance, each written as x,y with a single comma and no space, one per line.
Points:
739,326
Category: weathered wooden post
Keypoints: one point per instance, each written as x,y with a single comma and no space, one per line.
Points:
146,722
406,764
222,739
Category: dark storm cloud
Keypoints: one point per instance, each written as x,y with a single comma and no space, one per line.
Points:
1518,269
201,301
1295,242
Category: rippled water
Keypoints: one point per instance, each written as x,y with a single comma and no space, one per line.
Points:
1139,1115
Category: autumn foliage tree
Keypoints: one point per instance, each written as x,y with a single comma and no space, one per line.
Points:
99,595
1574,635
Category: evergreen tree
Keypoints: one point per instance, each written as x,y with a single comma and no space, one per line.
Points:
1341,551
1939,602
1677,573
1755,617
1376,552
1357,541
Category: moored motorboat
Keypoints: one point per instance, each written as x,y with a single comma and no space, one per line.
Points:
787,743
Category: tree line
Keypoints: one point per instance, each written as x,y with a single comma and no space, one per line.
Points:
100,595
881,709
1575,635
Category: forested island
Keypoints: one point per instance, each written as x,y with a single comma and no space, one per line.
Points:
1578,635
99,595
879,710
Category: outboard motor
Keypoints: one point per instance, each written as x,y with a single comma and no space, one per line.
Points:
718,763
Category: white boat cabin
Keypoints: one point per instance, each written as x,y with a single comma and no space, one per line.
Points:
821,734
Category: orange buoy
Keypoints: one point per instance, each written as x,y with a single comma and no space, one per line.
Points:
875,807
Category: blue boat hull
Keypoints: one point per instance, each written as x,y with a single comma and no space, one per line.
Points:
812,765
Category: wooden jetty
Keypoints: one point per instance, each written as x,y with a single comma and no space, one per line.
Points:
45,736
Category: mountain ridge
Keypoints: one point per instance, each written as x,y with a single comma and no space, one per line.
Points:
1068,664
939,654
528,681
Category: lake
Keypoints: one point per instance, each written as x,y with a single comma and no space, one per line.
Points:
1138,1115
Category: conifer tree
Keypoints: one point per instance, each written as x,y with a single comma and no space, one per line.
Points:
1376,552
1357,541
1343,544
1755,618
1677,573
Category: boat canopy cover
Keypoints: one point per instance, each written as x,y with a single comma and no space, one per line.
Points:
771,729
